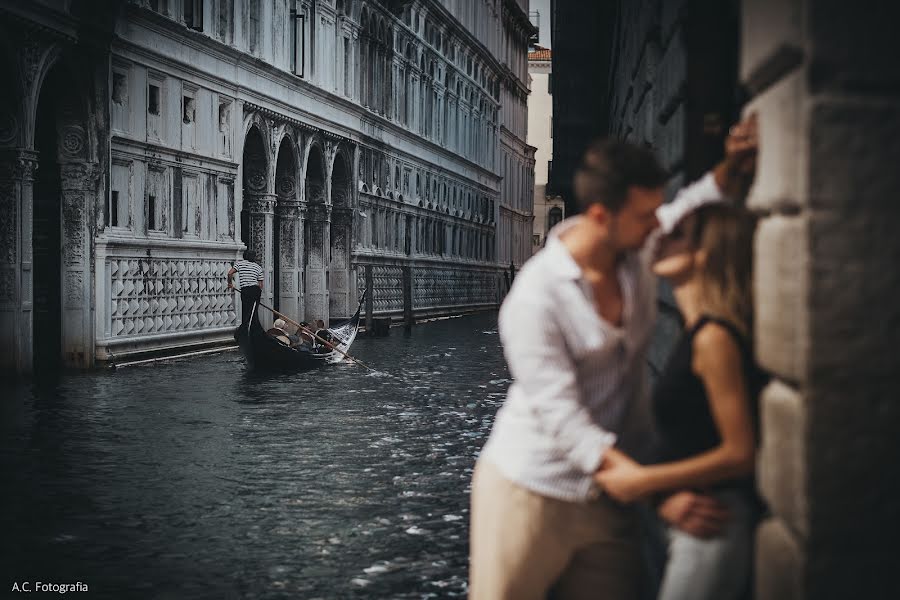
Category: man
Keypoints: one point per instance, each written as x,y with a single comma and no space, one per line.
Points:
280,333
574,328
250,282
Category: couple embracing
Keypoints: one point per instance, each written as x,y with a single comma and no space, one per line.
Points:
555,491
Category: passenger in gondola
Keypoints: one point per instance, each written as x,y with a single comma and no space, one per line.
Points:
306,335
279,332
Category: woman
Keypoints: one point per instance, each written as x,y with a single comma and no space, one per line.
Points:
704,404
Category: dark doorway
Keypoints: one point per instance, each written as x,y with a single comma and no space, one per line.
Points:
47,233
254,185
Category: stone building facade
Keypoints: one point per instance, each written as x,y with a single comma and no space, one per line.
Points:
145,143
823,78
548,209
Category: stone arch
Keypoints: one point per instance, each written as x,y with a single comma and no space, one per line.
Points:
12,102
256,186
315,234
61,209
340,236
286,228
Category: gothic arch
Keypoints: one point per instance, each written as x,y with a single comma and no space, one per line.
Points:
12,103
315,233
340,236
61,210
285,227
255,187
34,67
314,172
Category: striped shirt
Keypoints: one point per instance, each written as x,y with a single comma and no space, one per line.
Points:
575,375
249,273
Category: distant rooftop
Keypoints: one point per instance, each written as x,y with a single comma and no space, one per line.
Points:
539,53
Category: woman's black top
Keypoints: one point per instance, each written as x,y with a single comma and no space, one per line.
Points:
681,407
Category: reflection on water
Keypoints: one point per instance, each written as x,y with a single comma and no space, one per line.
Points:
197,479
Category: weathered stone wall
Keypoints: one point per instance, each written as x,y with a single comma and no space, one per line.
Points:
826,85
670,85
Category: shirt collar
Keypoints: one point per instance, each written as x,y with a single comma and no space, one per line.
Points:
563,264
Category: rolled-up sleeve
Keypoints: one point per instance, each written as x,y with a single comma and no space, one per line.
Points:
688,199
546,376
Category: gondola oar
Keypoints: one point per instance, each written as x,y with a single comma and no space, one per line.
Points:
326,343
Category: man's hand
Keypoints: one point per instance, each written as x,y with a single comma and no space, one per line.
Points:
735,173
700,515
620,477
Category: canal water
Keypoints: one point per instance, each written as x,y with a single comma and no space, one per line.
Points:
194,478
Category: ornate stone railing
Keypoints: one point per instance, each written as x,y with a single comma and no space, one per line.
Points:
158,295
157,289
434,288
452,286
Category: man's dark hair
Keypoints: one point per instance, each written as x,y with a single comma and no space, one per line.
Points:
609,168
250,255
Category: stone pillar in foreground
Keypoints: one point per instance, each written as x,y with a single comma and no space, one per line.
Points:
826,85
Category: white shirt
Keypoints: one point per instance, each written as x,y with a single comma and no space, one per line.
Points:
575,374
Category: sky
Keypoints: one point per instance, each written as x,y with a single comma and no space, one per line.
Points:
542,6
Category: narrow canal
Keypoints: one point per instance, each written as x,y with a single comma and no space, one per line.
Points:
196,479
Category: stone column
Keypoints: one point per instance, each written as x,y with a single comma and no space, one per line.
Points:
339,267
826,87
260,240
316,253
77,182
17,167
289,254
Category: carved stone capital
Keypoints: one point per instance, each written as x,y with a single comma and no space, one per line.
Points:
261,203
18,165
288,209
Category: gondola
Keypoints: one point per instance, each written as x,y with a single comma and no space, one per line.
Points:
264,352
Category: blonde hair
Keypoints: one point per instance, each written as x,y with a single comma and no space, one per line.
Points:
725,233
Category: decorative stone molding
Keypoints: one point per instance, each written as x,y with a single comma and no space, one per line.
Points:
288,209
285,187
261,204
256,179
9,128
73,140
73,227
18,165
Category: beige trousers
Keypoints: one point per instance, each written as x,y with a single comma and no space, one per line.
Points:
524,546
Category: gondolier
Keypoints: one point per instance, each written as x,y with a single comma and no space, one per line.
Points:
250,282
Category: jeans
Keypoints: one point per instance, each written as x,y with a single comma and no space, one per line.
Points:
716,568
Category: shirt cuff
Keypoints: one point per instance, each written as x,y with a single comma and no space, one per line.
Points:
704,191
588,453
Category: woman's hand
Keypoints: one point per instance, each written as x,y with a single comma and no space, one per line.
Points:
621,477
700,515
